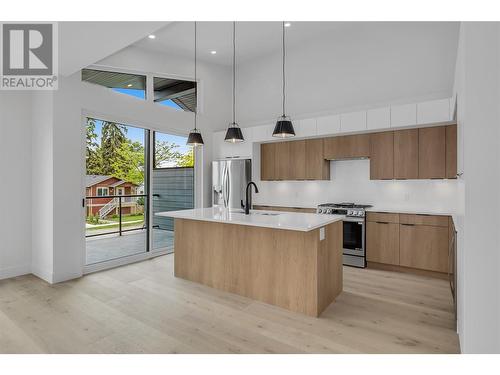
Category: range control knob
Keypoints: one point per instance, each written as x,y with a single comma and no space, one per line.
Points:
350,212
329,211
320,211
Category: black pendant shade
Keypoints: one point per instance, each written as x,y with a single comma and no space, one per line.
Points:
234,134
195,138
284,128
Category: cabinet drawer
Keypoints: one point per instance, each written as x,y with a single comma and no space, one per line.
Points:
434,220
383,217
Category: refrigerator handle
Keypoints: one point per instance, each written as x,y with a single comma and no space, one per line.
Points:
226,194
228,187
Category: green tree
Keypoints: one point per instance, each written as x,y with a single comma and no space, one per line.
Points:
113,135
187,159
165,153
128,164
92,153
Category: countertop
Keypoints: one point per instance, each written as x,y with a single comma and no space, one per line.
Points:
416,211
303,222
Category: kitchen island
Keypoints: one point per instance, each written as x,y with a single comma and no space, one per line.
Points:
292,260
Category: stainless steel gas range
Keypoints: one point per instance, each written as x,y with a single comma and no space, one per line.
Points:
354,230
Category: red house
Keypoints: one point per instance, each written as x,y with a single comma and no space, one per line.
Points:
103,186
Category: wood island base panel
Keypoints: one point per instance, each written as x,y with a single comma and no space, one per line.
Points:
295,270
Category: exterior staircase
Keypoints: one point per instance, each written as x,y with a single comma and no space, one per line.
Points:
108,207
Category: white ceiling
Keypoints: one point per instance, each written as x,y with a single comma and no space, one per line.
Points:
258,39
253,39
84,43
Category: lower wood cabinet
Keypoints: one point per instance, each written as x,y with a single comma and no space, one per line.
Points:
382,242
415,242
424,247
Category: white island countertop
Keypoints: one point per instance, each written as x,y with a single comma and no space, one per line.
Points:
304,222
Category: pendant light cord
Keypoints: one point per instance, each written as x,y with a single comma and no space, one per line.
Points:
195,80
283,60
234,72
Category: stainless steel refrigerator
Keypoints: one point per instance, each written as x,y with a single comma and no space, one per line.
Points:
229,182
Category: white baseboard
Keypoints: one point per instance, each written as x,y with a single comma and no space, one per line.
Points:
43,274
9,272
122,261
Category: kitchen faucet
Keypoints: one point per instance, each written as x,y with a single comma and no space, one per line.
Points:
246,206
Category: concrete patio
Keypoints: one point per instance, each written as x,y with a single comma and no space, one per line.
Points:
107,247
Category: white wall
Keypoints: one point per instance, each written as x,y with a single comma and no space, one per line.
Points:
369,65
60,153
478,89
214,94
350,182
15,186
42,193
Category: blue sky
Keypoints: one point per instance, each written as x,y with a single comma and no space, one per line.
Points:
142,95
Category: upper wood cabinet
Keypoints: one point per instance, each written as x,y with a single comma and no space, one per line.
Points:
297,160
382,156
422,153
432,152
267,161
347,147
282,160
317,168
406,154
451,151
294,160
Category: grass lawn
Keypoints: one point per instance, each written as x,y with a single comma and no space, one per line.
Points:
127,218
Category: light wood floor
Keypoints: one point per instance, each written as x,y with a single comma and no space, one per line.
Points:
142,308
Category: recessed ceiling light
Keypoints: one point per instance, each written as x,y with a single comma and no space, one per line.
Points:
288,24
129,85
151,36
213,52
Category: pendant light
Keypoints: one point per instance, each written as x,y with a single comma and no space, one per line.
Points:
234,134
284,126
195,139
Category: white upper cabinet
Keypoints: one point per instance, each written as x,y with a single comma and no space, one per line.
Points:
305,128
353,122
224,150
328,125
403,115
379,118
433,111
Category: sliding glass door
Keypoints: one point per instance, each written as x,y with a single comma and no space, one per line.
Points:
116,201
172,185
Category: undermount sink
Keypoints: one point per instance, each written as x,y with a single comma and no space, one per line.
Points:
265,213
238,211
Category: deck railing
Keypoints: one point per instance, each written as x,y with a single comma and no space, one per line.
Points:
116,202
